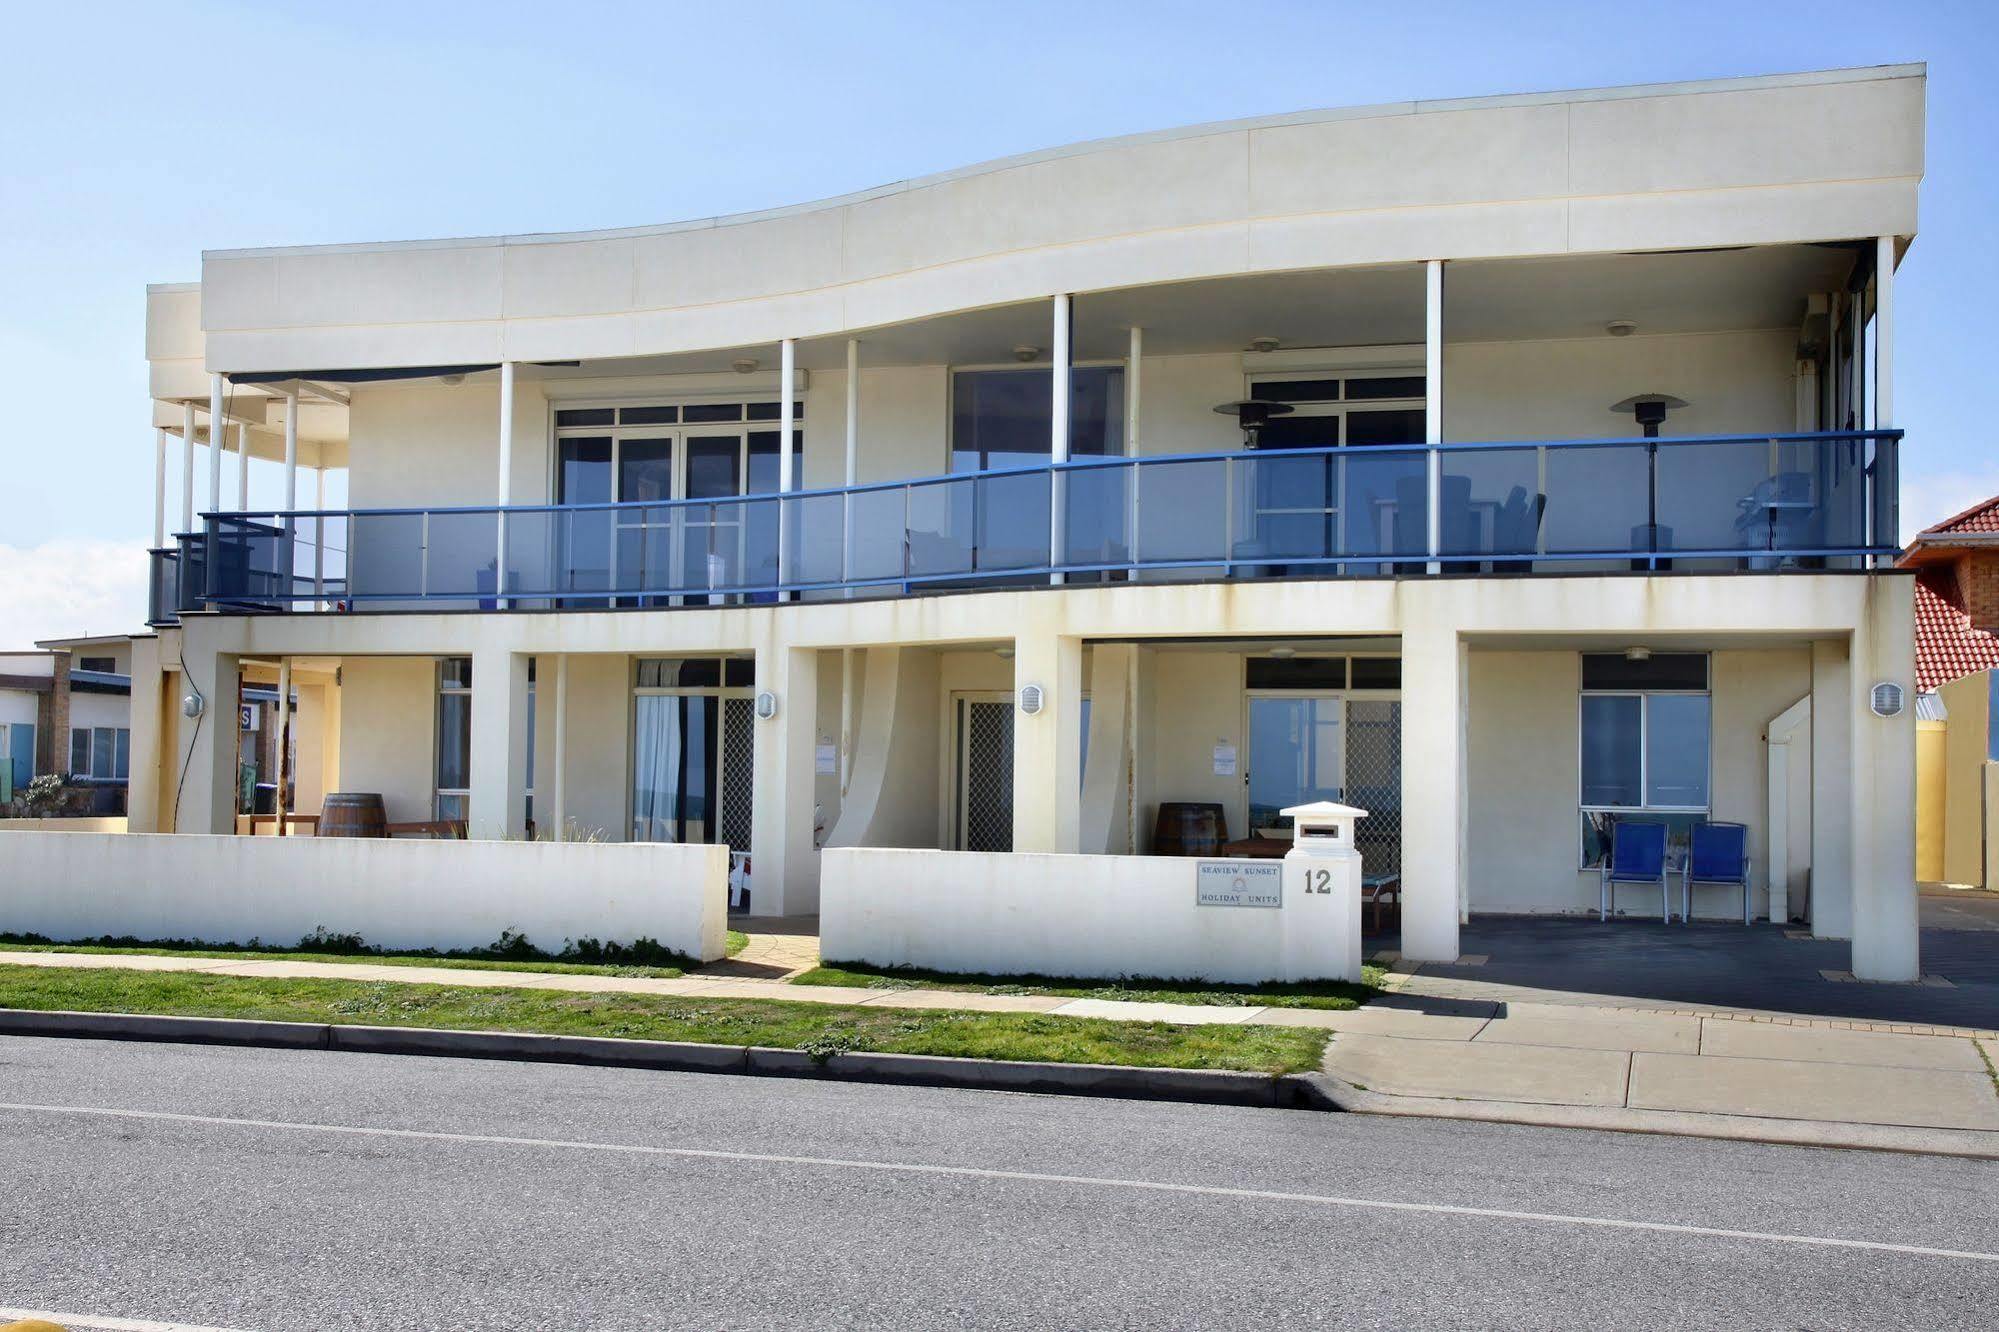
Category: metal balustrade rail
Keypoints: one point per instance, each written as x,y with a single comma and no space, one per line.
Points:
1712,503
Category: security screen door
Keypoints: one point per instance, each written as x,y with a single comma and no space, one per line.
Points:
984,724
1329,747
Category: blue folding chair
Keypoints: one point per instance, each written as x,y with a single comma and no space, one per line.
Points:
1637,855
1717,853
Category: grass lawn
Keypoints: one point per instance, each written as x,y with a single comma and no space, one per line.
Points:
244,953
1304,994
820,1028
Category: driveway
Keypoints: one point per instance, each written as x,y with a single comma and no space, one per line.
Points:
1554,959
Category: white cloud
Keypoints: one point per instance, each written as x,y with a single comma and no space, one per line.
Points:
67,587
1928,500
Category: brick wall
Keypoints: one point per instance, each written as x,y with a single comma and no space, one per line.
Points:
1978,580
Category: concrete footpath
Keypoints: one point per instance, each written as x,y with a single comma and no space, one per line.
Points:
1453,1048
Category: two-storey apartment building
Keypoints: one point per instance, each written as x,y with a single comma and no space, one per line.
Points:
1511,467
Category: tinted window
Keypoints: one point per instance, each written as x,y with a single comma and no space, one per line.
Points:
584,470
1385,386
1377,672
1297,672
1000,418
712,411
1298,390
648,415
583,416
1662,670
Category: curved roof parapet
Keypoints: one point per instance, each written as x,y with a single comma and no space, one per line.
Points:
1780,159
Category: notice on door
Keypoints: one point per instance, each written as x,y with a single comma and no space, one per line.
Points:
1239,883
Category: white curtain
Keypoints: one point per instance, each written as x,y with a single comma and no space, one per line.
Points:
656,742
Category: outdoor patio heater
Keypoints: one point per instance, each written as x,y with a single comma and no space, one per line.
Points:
1649,411
1253,414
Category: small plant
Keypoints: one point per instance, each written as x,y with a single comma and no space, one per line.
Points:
48,796
321,940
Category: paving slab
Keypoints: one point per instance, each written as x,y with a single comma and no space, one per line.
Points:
1593,1029
1467,1070
130,961
1797,1089
969,1002
1192,1015
1411,1023
1768,1040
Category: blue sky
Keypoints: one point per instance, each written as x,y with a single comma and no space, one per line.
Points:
211,125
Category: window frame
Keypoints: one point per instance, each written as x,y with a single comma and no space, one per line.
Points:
438,792
721,690
1645,807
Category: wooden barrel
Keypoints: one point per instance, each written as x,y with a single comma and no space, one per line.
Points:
1189,828
353,814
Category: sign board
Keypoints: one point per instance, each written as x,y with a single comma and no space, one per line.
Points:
250,712
1224,759
825,759
1239,883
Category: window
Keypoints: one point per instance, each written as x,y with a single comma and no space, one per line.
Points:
693,750
1646,733
454,737
1001,418
100,753
102,665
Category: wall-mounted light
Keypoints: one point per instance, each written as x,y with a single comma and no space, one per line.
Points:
1032,700
1886,699
743,365
1025,352
766,705
1004,653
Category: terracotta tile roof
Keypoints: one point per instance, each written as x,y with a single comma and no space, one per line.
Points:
1980,517
1947,647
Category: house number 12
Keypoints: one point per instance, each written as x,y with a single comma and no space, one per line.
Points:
1318,881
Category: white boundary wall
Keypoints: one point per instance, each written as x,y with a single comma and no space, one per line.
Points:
1008,913
392,892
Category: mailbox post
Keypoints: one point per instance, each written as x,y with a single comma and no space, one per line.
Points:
1322,880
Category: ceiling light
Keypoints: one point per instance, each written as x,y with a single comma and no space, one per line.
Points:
742,365
451,381
1621,328
1025,353
1284,653
1638,654
1263,344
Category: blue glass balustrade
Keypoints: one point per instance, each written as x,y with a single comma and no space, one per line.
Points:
1811,501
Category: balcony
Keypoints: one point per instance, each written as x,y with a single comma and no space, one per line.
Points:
1709,504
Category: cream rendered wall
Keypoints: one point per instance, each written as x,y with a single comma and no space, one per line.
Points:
1522,752
429,444
1562,389
597,770
434,445
1195,699
97,710
388,732
1968,701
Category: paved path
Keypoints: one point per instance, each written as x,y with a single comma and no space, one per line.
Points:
294,1191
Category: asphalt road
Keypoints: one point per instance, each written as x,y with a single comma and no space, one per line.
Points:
253,1189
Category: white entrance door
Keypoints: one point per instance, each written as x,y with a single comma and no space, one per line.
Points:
983,746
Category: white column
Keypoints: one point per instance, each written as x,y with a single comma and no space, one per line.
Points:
558,802
1433,791
283,740
217,428
186,466
291,448
319,534
1433,399
504,492
159,488
852,475
1832,789
498,795
1058,429
1048,747
787,361
242,469
846,720
1884,335
784,865
1134,361
1886,933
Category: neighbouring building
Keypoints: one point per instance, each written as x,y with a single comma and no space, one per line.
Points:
1957,648
1512,468
65,708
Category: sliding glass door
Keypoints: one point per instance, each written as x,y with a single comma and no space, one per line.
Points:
693,773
